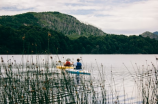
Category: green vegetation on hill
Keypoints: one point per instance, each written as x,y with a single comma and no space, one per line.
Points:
33,40
66,24
17,21
54,32
30,40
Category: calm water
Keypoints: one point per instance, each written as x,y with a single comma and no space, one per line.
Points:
118,72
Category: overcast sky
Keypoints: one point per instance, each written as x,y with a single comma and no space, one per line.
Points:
128,17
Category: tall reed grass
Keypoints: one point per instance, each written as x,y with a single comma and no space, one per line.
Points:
39,82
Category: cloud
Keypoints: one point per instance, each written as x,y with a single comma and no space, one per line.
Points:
112,16
133,18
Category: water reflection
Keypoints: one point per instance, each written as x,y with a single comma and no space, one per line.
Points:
78,78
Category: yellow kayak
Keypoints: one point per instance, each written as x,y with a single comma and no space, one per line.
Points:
64,67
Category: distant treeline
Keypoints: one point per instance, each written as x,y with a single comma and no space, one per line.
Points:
37,40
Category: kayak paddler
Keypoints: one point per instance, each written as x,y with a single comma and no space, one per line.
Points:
78,65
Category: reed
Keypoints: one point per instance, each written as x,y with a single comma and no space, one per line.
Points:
149,85
39,82
146,81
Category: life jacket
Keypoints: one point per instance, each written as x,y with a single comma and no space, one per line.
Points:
67,63
78,65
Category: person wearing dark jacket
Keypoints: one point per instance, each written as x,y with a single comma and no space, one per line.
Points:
78,65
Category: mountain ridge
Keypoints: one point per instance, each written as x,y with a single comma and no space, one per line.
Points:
150,35
57,21
156,32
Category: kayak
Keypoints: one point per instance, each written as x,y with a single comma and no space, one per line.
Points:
64,67
73,71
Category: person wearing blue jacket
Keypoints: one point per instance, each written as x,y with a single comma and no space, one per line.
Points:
78,65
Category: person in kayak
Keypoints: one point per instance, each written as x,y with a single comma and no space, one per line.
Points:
67,62
78,65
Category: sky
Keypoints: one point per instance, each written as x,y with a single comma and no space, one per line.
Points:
128,17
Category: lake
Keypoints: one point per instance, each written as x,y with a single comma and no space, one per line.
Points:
123,76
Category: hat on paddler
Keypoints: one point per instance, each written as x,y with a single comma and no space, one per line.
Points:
68,59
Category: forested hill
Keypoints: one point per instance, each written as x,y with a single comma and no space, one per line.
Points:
63,23
37,40
150,35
